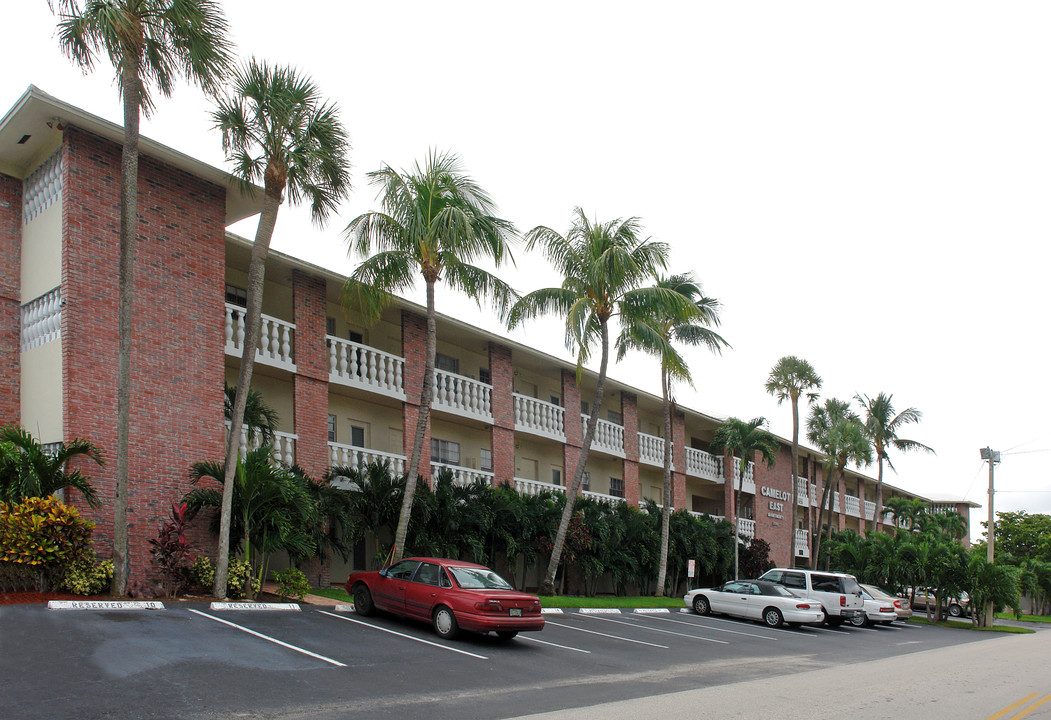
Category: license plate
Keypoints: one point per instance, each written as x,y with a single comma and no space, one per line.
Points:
516,612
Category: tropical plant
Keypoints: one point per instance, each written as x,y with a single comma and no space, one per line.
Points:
277,129
881,427
40,538
790,379
171,551
988,582
150,43
27,469
260,419
604,267
907,510
755,558
736,437
435,222
271,509
292,583
658,334
87,575
837,431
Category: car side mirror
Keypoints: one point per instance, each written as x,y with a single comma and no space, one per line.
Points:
383,572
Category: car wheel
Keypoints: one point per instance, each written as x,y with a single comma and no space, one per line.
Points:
363,600
445,623
701,606
955,610
773,617
859,620
506,634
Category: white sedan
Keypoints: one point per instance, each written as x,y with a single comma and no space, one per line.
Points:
879,608
769,602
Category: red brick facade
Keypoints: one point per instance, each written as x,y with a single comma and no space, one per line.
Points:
10,297
773,504
629,409
502,434
310,384
178,333
574,431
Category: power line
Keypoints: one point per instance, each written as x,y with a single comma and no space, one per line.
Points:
1026,452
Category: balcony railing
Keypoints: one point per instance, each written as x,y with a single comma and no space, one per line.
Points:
357,365
283,450
802,543
802,487
602,496
870,510
609,437
748,485
358,457
276,338
535,487
463,396
651,449
463,475
852,506
746,527
705,465
539,417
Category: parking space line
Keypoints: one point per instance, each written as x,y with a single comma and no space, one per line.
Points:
410,637
803,631
716,629
652,629
615,637
337,663
545,642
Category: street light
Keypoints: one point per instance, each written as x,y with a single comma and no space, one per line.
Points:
993,458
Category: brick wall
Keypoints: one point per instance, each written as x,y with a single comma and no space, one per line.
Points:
572,426
629,409
775,530
10,297
414,350
310,384
177,335
502,433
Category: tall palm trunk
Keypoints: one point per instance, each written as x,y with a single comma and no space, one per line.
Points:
666,496
826,493
828,526
129,227
274,187
737,518
795,480
422,421
877,514
548,586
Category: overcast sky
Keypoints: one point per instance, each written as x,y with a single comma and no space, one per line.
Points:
864,185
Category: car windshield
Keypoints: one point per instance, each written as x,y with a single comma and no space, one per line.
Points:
483,578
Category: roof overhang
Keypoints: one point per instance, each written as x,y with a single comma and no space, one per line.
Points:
32,130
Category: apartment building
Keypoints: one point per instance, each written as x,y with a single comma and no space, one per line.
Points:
346,393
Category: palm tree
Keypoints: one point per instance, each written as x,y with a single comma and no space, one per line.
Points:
149,43
838,433
435,221
604,267
28,470
736,437
259,417
881,428
277,129
656,334
789,379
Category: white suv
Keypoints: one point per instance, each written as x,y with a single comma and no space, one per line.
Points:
839,593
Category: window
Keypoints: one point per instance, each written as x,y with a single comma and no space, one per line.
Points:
330,326
794,580
584,408
485,459
357,436
236,295
332,428
484,375
616,487
585,481
556,476
357,337
427,574
447,363
615,417
402,570
445,451
556,400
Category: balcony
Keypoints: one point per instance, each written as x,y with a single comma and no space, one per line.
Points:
746,528
748,485
802,487
276,339
357,365
539,418
802,543
464,396
704,465
852,506
358,457
870,510
535,487
651,450
283,451
609,437
463,475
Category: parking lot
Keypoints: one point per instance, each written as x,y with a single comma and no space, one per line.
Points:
188,660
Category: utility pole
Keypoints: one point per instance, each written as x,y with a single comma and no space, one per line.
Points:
993,457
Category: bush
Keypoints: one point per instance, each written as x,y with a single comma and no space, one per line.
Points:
292,583
202,573
87,576
239,572
40,538
171,551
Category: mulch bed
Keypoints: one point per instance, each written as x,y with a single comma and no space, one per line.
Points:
18,598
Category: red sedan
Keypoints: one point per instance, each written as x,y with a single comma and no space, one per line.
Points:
450,594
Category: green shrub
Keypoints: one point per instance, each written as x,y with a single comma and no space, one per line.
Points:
40,538
88,576
202,573
292,583
239,572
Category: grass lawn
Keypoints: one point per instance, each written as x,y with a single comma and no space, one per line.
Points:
1025,618
968,626
554,601
332,592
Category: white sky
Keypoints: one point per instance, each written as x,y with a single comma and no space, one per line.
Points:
861,184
